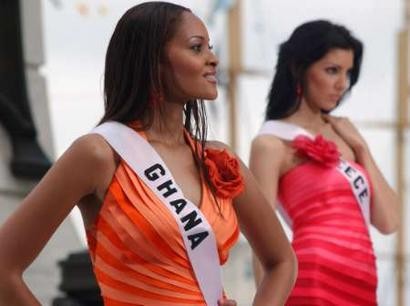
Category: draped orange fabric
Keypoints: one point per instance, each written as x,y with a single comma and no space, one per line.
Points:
137,250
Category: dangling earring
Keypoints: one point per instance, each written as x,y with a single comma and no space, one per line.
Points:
155,98
298,91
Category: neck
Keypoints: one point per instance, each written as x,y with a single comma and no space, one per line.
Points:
308,118
167,126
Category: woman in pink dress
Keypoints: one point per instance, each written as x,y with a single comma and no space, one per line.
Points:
318,170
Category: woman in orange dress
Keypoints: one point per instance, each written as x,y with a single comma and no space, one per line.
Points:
320,169
159,68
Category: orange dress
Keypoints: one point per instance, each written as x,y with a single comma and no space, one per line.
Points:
137,251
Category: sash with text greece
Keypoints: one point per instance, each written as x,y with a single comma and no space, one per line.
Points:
355,177
359,185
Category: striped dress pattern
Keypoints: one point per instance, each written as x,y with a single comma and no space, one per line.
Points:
330,236
136,248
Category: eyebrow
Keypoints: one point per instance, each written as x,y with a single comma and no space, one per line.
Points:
331,63
335,64
196,36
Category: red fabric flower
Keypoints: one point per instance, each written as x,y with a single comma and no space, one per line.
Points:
318,149
224,173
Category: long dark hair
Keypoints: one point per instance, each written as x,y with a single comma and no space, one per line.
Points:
132,63
132,78
308,43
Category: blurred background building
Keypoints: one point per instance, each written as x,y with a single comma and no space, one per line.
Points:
65,43
22,73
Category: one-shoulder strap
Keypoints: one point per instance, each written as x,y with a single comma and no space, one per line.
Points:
283,130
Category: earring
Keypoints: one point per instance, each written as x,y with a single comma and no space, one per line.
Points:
155,98
298,90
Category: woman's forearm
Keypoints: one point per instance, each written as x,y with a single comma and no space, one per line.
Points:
257,270
13,291
385,203
276,284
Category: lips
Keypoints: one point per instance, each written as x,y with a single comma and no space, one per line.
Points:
335,97
211,77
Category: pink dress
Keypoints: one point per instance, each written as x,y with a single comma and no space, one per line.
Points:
330,237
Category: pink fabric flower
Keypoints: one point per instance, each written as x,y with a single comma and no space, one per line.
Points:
224,173
318,149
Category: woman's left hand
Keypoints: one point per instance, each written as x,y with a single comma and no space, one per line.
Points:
350,134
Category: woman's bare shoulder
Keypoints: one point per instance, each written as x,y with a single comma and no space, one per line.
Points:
92,147
89,162
269,143
269,151
89,156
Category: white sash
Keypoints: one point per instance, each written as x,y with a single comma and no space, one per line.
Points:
355,177
359,186
197,234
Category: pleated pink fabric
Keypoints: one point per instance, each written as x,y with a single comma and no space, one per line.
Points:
330,237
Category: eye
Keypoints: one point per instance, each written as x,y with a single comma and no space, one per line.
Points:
210,47
332,70
197,48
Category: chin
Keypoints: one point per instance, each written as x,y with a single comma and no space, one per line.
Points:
329,107
210,96
213,97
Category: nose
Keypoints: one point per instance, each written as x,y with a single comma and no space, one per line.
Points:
212,59
343,82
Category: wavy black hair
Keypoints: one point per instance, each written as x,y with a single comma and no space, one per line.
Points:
308,43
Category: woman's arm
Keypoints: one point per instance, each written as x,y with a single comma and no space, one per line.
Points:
261,227
385,203
76,174
265,159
